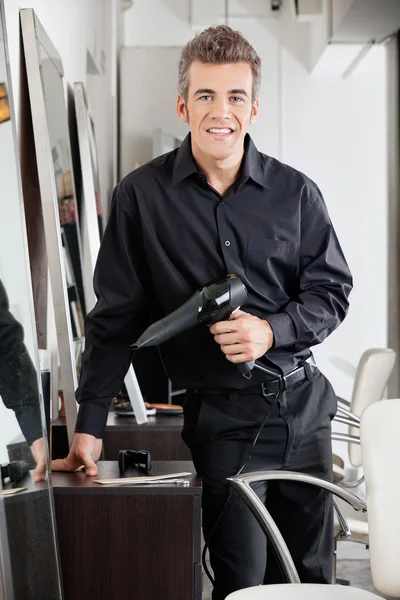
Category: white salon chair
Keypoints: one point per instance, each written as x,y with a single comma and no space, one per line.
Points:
372,376
380,443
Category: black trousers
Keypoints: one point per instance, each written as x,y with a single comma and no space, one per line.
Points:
220,431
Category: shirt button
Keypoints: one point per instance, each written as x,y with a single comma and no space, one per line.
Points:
227,243
222,203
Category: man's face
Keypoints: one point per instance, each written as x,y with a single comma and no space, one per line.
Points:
219,107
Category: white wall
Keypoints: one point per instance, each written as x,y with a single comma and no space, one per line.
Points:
141,113
76,27
332,129
170,28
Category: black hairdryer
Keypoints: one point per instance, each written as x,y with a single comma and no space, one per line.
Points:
215,302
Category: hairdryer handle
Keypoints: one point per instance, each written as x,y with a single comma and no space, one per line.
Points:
246,368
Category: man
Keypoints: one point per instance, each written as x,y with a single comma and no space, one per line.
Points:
217,206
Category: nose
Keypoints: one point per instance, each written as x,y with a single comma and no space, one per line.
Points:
220,110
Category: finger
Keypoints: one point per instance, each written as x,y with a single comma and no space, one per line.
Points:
222,327
97,449
240,336
226,338
232,349
70,463
40,471
90,466
238,314
237,358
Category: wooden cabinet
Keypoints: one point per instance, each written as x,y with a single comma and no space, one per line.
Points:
139,543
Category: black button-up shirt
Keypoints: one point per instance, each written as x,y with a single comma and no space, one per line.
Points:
170,233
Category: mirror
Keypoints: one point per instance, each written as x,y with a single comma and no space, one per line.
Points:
91,219
47,92
92,226
27,534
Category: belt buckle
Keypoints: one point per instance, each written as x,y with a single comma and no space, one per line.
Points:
265,393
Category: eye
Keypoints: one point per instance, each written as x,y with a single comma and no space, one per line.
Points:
237,99
205,98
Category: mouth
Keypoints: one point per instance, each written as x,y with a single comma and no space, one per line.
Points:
220,133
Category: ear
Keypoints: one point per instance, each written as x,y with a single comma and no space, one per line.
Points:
181,109
255,111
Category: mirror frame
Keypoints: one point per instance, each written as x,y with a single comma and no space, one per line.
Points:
33,34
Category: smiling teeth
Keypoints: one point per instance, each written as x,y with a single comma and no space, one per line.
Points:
220,131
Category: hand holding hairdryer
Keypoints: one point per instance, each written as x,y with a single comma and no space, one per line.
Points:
215,302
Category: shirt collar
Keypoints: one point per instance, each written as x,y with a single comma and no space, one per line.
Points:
185,164
184,161
252,164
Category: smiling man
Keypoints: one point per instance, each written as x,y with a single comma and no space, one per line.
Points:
219,115
217,206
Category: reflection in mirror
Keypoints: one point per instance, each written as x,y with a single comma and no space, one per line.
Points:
27,535
92,224
91,220
47,94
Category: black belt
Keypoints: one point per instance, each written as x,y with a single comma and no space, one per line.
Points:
273,386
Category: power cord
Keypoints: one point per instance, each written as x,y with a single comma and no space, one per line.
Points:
243,466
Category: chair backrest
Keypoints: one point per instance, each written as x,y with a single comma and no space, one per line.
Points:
380,442
373,372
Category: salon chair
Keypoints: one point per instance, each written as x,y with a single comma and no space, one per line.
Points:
380,444
372,375
373,372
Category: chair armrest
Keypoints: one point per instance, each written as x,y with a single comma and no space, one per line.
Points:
241,484
349,439
352,484
346,421
346,403
345,437
345,530
347,413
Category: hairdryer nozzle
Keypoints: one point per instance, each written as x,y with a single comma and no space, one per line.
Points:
184,317
149,337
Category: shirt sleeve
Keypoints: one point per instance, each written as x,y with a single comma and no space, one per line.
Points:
18,377
324,283
119,316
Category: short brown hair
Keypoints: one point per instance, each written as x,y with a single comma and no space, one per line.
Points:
218,45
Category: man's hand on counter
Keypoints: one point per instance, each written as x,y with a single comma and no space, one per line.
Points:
38,450
85,452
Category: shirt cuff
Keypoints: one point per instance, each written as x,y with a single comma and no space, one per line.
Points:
283,329
92,418
30,423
